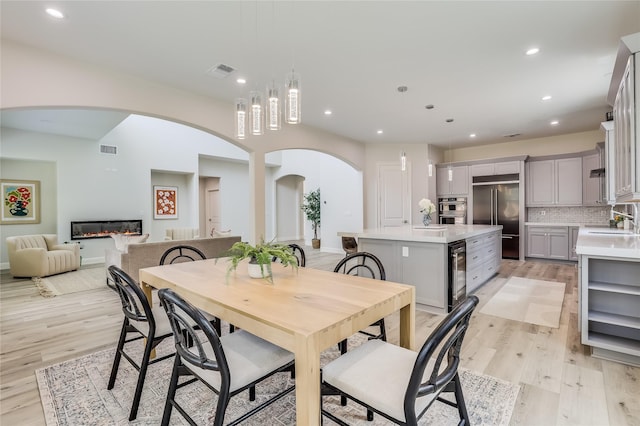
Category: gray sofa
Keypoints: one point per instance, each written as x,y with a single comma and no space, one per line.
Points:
144,255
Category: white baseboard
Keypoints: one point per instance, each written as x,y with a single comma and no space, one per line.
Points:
4,266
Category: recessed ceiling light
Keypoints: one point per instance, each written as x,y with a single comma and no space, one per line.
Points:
546,98
532,51
241,80
554,123
55,13
430,106
328,112
449,120
472,135
379,132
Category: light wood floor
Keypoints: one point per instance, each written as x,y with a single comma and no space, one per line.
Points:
560,383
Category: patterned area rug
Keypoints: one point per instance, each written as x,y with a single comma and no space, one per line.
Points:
71,282
528,300
75,392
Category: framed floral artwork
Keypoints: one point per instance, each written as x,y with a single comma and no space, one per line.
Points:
20,201
165,202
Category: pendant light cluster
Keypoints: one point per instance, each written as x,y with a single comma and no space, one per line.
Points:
254,115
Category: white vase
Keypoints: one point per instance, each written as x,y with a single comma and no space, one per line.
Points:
255,272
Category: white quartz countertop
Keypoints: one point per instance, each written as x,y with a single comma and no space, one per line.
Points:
551,224
609,242
429,234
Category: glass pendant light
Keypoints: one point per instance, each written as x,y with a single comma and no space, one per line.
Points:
450,173
257,119
403,161
241,118
292,98
430,168
273,108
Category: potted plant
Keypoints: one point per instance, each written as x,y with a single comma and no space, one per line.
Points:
311,208
261,255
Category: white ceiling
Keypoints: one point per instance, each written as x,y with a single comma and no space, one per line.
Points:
465,58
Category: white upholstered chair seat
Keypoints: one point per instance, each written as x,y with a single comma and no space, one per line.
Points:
377,373
249,358
163,327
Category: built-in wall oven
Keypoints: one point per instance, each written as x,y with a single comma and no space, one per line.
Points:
452,210
457,273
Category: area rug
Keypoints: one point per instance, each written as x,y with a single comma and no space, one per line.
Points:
71,282
528,300
75,392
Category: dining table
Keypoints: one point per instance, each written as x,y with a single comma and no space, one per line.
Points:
303,310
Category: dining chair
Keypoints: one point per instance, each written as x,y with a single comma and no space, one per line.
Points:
298,252
227,365
363,264
185,253
398,383
181,253
146,322
349,245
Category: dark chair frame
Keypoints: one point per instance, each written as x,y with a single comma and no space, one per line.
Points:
188,253
298,252
453,329
362,257
360,266
185,253
133,299
349,245
186,334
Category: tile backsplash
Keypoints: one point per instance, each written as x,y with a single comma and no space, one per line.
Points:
590,215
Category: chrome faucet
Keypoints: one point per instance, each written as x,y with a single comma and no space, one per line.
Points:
635,218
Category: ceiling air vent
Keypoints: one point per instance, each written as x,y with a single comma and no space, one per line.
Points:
108,149
220,70
512,135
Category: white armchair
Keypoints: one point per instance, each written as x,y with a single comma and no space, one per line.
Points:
41,255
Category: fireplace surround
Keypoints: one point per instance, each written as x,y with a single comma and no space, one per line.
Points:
89,229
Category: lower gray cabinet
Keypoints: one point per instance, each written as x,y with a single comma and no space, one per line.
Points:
423,265
548,242
573,237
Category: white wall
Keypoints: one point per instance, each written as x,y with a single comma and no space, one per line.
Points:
341,188
561,144
95,186
43,171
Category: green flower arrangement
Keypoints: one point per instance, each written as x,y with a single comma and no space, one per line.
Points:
262,254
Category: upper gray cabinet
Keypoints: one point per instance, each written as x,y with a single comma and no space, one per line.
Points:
459,183
490,169
554,182
625,149
591,186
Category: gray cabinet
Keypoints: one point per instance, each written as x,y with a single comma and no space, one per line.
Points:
573,239
484,254
554,182
609,190
610,307
500,168
459,184
591,187
423,265
550,242
626,156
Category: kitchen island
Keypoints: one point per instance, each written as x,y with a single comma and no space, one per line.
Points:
609,293
419,256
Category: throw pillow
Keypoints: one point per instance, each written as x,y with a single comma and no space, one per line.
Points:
122,240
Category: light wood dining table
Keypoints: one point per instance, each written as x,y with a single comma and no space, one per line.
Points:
304,311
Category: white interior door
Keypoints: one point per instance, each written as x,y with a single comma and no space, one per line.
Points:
393,195
213,211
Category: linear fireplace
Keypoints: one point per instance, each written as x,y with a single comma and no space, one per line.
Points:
88,229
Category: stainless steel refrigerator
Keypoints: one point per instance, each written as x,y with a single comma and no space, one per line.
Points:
497,203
